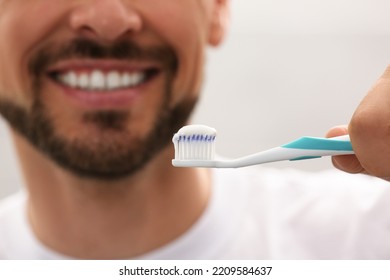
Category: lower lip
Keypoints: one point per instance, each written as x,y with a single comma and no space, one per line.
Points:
114,99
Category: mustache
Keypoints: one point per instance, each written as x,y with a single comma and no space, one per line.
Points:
90,49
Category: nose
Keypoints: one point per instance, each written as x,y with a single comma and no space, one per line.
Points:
105,20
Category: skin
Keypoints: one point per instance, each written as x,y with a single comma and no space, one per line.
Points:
369,130
88,217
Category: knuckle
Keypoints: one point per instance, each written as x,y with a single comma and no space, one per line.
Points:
363,122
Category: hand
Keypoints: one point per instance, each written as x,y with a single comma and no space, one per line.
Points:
369,130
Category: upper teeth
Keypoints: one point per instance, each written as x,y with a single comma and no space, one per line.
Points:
98,80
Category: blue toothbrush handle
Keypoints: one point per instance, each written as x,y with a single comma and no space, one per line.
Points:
316,147
341,143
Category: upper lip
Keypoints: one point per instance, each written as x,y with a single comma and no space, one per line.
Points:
104,65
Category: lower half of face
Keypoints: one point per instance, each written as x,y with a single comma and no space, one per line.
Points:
97,121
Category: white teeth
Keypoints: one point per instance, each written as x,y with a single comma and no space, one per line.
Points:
72,78
126,80
97,80
83,81
69,79
113,80
137,78
100,81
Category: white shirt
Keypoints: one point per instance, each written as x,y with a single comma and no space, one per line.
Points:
257,213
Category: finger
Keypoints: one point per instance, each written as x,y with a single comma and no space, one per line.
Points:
337,131
347,163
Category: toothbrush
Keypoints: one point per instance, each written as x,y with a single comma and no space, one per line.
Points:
195,147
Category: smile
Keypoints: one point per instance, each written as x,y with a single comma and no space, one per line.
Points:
100,80
104,84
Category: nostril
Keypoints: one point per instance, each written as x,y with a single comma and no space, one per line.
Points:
86,31
106,20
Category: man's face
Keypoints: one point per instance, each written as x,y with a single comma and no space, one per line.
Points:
100,86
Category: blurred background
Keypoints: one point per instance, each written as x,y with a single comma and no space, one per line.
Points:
287,68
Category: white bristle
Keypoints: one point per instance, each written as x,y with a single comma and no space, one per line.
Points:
195,142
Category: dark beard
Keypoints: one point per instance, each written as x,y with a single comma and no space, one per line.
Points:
105,158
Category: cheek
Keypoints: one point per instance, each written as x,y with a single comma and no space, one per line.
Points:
22,37
187,35
10,55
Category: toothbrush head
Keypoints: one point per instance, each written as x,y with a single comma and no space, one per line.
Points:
194,146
